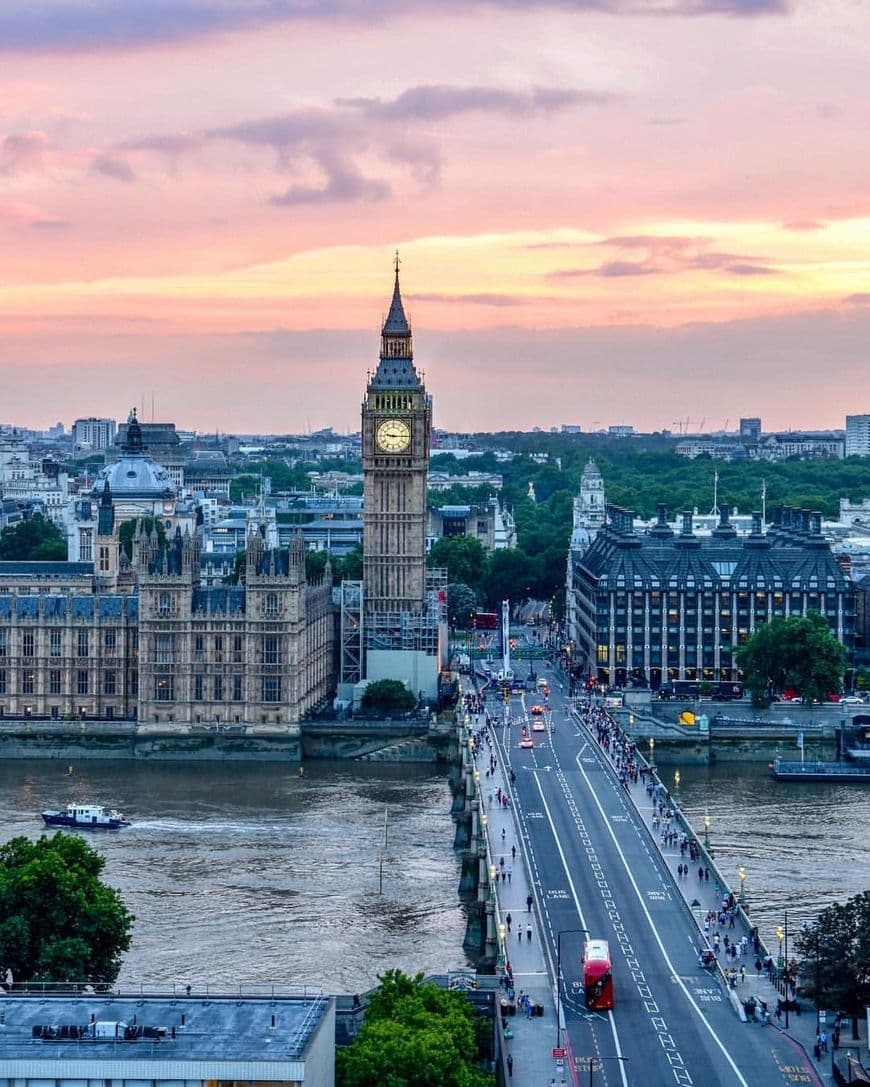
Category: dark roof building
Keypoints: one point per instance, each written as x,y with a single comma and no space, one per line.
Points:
675,606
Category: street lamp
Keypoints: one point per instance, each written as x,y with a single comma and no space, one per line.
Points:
779,935
652,752
741,875
677,786
559,935
707,824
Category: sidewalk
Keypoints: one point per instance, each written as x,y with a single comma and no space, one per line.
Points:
702,896
531,1039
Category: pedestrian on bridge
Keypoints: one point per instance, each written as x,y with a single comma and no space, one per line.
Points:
529,901
508,921
529,933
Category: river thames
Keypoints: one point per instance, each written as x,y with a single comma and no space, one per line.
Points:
240,872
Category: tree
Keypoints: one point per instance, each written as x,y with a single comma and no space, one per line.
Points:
414,1035
388,696
461,603
464,558
835,952
58,920
127,530
798,652
510,577
34,540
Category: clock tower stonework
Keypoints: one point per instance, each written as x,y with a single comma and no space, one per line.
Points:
396,424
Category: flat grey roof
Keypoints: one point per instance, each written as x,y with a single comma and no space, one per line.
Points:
229,1028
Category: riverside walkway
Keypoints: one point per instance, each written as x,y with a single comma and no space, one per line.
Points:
527,1041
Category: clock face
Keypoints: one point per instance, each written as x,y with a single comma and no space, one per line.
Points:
393,435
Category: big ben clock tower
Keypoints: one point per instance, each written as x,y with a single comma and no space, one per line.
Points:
396,420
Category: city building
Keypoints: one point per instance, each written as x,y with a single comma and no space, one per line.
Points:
28,480
660,605
857,436
92,435
750,428
177,1040
589,517
134,633
443,481
493,526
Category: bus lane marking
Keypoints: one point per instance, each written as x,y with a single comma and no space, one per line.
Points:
654,931
620,935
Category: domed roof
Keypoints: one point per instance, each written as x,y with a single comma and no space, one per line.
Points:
580,538
135,475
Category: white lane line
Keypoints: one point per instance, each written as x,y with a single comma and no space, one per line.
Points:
654,931
579,909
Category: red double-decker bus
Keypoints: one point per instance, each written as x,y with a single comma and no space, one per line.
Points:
485,620
597,975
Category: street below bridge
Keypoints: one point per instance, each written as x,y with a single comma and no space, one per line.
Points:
594,869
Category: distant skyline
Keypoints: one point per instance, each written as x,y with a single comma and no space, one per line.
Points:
608,211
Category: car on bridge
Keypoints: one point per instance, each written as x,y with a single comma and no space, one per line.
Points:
537,711
526,742
538,725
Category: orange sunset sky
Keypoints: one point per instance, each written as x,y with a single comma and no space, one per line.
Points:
606,211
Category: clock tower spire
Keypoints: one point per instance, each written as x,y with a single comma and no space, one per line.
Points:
396,420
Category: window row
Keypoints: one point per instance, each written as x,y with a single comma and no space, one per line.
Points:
80,642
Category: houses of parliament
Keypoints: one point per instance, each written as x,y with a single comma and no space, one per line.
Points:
128,631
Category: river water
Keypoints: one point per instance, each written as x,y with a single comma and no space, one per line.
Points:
240,872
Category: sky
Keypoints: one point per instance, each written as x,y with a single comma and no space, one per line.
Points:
653,212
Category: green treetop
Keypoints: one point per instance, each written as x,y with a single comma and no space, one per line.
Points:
58,920
414,1035
799,653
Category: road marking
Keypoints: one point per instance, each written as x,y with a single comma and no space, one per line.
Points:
654,931
580,914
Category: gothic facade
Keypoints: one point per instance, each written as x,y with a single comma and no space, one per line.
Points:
141,638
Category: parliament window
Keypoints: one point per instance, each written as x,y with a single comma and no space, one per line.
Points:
4,642
164,688
110,682
82,644
218,688
198,648
219,649
109,641
28,680
271,606
27,643
164,604
164,649
2,681
238,650
82,681
271,688
54,680
271,649
197,688
55,643
237,689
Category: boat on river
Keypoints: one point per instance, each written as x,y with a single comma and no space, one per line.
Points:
86,817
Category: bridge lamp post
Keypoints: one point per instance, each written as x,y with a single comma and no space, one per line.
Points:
741,875
708,822
652,752
677,786
559,935
780,933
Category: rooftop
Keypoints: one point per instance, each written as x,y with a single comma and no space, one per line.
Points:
174,1027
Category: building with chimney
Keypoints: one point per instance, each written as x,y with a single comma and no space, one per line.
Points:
661,605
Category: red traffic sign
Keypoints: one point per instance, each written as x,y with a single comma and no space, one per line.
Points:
559,1053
